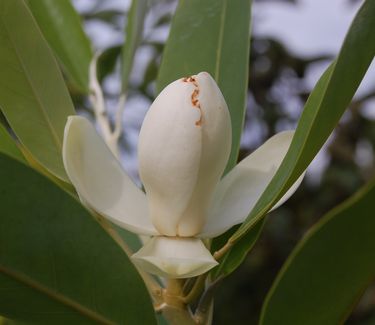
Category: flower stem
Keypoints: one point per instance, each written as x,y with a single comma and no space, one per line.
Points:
173,292
177,316
173,308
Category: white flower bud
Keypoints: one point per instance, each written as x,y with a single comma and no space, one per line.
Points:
183,149
184,145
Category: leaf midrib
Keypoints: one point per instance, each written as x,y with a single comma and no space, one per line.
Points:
68,302
220,40
55,137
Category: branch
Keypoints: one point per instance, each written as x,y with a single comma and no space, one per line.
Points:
101,114
223,250
204,309
196,290
97,100
118,120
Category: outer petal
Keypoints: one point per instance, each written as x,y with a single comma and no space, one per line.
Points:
238,192
100,180
184,145
216,145
169,152
174,257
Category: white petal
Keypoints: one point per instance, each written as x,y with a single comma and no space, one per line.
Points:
169,153
289,192
100,180
174,257
238,192
216,145
184,145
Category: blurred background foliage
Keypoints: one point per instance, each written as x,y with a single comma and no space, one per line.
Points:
277,91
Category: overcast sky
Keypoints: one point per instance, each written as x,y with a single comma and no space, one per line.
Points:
309,28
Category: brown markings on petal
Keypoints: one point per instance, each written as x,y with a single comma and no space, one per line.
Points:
199,122
194,97
188,79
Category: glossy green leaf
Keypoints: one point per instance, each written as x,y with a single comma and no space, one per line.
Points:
33,95
325,275
57,265
133,32
212,36
62,28
322,111
8,145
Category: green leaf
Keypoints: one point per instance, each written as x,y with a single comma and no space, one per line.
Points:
212,36
133,32
8,145
57,265
62,28
235,257
322,111
108,16
131,239
107,61
4,321
324,276
33,95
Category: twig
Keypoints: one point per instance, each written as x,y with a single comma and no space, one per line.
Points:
118,120
188,285
205,303
223,250
97,100
101,114
196,290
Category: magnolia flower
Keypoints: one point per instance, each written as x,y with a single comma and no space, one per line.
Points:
184,145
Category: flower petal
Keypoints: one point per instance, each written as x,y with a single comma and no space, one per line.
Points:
289,192
100,180
184,145
238,192
174,257
169,152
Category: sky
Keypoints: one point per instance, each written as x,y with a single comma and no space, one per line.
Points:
309,28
